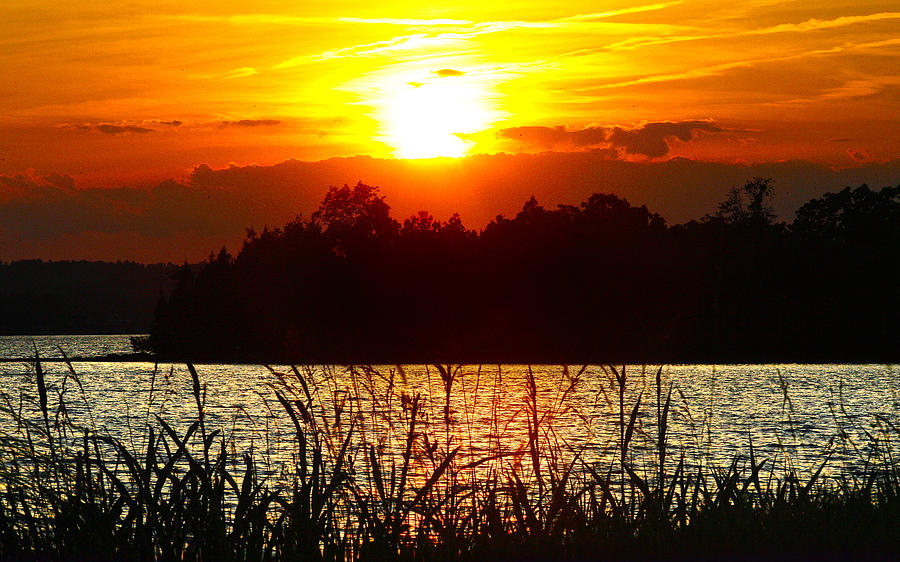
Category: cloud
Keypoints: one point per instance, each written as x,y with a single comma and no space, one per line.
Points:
109,129
123,127
49,207
859,154
404,42
239,72
448,72
650,140
154,125
598,90
45,188
806,26
284,19
621,12
555,137
252,123
432,34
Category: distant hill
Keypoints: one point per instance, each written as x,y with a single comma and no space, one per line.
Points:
72,297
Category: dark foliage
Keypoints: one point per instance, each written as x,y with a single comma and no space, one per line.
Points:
596,282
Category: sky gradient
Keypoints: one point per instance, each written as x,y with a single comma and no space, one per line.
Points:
133,93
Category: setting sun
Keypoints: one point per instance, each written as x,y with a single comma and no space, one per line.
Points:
431,119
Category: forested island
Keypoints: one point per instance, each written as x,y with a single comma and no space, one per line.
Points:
602,281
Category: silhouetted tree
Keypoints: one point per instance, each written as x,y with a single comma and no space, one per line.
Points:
860,215
749,204
353,216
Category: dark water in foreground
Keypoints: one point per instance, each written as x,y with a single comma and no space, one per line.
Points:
794,414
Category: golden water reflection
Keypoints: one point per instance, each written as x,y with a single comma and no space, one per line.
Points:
495,415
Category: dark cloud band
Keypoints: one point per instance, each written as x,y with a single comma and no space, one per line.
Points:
210,207
650,140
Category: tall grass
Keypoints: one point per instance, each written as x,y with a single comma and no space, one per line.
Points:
384,468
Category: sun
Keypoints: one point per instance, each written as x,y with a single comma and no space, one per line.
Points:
430,119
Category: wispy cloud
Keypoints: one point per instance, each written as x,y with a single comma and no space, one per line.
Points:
850,89
717,69
700,72
621,12
403,21
240,72
802,27
462,30
860,88
284,19
397,43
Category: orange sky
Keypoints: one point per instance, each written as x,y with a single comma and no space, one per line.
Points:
131,93
141,86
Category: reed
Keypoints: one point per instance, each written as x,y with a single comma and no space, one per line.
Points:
382,469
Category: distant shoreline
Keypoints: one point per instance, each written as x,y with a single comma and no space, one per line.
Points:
110,358
148,358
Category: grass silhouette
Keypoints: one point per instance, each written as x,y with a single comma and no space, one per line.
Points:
381,469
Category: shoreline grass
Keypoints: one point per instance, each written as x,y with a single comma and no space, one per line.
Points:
380,469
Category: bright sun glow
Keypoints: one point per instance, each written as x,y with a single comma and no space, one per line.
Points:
426,120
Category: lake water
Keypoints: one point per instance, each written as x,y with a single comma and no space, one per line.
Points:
795,415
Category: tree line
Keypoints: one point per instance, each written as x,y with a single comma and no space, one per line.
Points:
596,282
80,297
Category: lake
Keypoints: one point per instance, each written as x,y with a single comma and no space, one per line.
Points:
795,415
